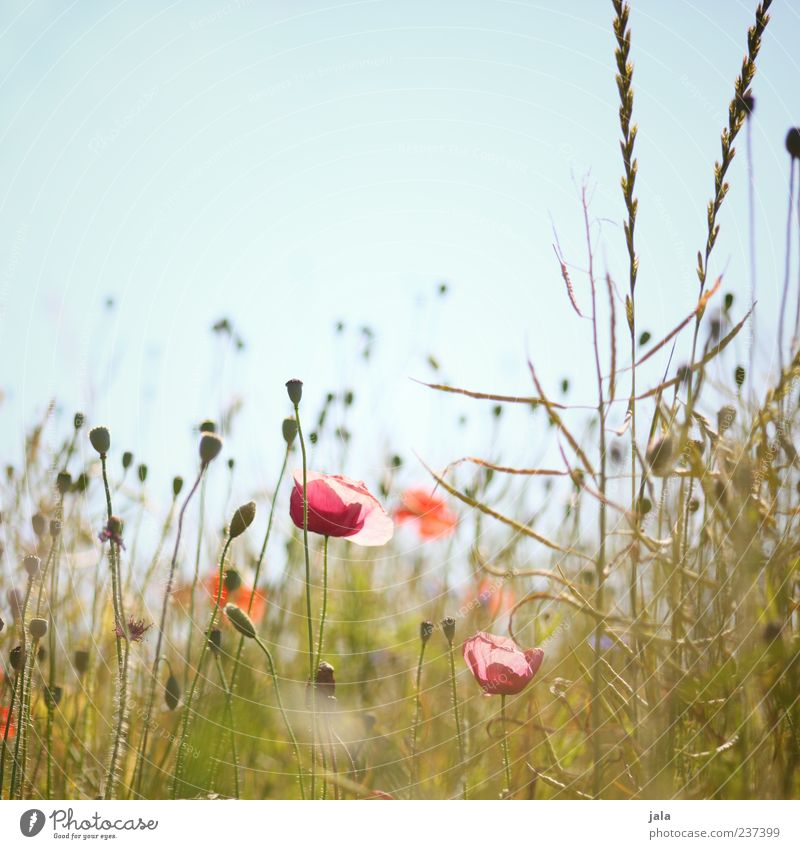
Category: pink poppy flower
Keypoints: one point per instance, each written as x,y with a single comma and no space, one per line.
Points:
340,507
499,665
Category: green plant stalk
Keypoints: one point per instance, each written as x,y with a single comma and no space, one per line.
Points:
142,753
462,758
417,715
21,743
309,624
281,708
324,611
22,720
51,633
259,562
506,758
232,726
195,581
6,728
187,708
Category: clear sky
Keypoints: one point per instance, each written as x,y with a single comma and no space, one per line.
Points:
291,164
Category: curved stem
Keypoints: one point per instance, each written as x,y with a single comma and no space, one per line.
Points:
187,708
281,708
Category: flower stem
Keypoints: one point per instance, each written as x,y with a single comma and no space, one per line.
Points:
417,714
309,624
324,601
506,759
187,708
142,753
286,722
459,735
231,726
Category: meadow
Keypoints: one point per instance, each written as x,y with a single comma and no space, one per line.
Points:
630,627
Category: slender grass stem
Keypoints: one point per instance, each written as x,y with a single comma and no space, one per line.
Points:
506,759
324,611
231,724
417,715
462,755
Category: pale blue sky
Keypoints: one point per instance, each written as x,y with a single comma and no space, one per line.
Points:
292,164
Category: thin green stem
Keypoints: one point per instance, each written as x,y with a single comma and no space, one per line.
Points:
417,715
460,737
506,759
232,727
324,611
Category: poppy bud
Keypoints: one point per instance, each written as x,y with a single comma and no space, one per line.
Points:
232,580
289,430
38,628
210,446
172,692
100,439
55,527
659,455
242,519
240,620
793,142
231,463
52,696
115,525
16,658
215,640
32,565
425,631
325,681
207,426
81,661
39,524
63,482
82,483
78,421
449,628
739,375
177,485
142,472
127,459
295,389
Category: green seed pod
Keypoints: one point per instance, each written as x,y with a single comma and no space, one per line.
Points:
172,692
39,524
37,628
793,142
78,420
82,483
100,439
142,472
242,519
32,565
295,389
241,621
16,658
63,482
177,485
81,661
449,628
232,580
215,640
425,630
739,375
207,426
127,459
210,446
289,430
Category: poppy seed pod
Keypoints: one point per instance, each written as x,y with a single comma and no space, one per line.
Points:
207,426
39,524
115,525
295,389
100,439
127,459
449,628
739,375
425,630
177,485
289,430
242,519
81,661
172,692
232,580
63,482
37,628
52,696
16,658
325,681
32,564
210,446
793,142
215,640
78,421
142,472
241,621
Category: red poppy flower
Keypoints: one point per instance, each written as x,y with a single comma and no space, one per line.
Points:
240,597
431,516
499,665
340,507
6,718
